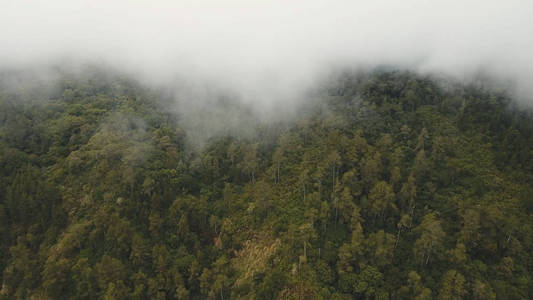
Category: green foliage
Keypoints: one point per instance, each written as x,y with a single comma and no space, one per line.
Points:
390,186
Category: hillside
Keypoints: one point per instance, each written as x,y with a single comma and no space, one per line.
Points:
389,185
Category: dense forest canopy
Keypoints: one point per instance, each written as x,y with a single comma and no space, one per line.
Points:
387,185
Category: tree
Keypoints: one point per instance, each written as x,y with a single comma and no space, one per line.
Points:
430,240
303,180
333,160
110,274
228,195
278,158
404,223
381,200
83,277
380,248
369,283
482,290
249,162
306,234
415,288
408,195
370,169
262,197
452,286
271,286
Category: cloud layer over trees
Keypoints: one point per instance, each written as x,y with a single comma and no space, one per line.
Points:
271,48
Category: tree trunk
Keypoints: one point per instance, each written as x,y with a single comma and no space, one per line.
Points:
277,175
333,178
397,238
336,212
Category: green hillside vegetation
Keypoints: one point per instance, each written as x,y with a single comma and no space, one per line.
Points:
391,185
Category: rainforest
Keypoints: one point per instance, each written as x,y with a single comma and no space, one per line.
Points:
389,184
251,149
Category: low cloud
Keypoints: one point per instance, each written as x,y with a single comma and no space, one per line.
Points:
268,52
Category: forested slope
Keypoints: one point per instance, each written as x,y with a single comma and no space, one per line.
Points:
391,185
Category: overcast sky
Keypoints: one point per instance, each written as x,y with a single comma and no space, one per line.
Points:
255,45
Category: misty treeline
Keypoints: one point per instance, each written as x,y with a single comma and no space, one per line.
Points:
391,185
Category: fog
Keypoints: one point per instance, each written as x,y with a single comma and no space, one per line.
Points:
269,52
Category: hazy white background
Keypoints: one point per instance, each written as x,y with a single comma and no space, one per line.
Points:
269,50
